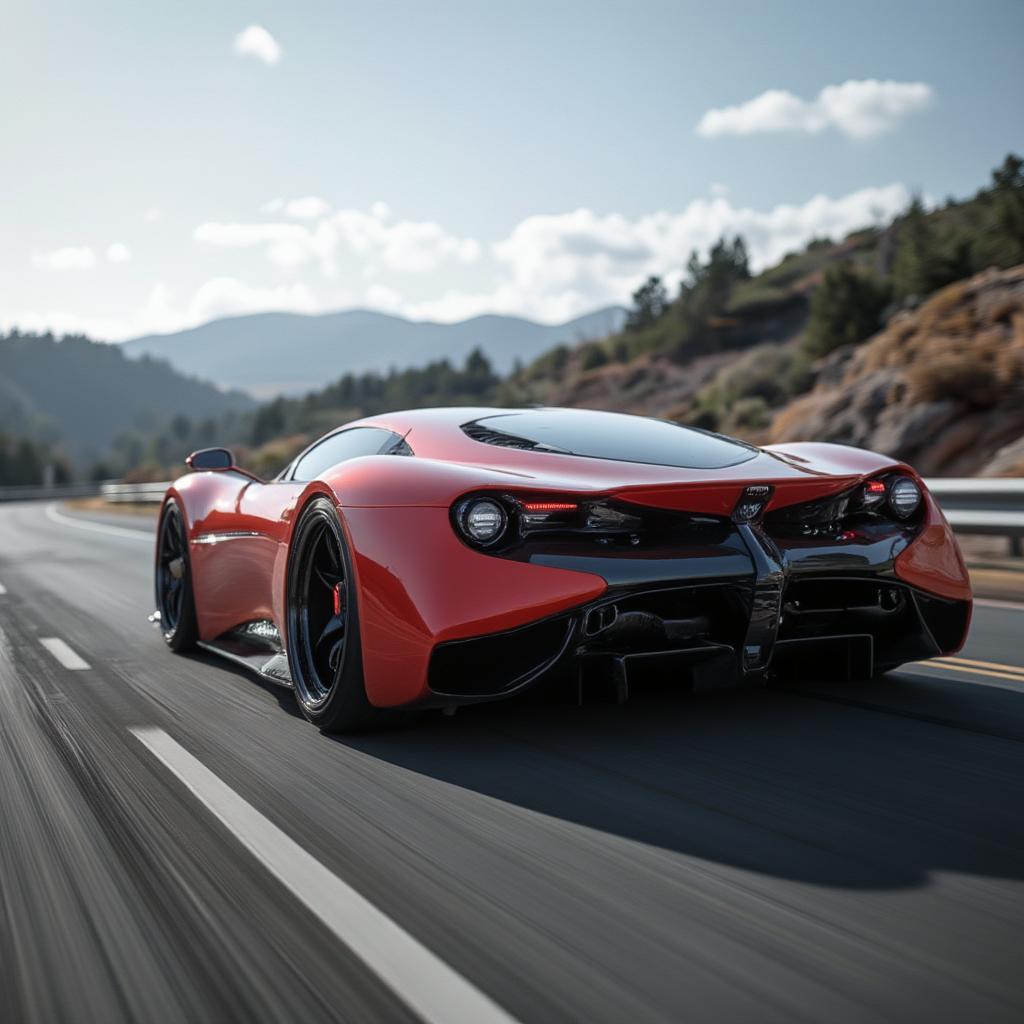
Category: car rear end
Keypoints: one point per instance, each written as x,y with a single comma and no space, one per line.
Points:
718,584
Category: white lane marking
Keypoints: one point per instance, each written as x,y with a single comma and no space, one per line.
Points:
989,602
115,531
64,654
3,590
419,978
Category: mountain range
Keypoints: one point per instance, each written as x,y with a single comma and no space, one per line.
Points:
268,354
82,395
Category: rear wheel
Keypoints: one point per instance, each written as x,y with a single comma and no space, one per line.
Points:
174,597
324,650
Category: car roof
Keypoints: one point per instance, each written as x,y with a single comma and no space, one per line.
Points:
479,434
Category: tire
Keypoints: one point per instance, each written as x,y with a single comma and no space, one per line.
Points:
175,600
322,635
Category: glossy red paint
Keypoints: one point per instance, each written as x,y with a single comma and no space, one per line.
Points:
238,530
933,563
418,584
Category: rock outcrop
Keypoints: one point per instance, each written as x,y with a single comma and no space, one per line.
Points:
942,386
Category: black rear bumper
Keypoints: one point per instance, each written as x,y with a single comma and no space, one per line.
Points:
737,609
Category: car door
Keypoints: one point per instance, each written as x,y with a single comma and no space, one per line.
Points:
244,569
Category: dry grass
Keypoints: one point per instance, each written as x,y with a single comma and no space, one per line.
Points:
790,423
964,344
123,508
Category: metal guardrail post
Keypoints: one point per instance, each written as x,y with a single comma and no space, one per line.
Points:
139,493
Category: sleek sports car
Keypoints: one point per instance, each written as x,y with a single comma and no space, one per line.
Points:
441,557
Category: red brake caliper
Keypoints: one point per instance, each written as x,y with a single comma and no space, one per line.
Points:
336,593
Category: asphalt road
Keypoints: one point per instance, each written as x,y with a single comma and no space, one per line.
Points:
823,853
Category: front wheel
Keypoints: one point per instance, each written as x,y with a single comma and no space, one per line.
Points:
174,598
322,636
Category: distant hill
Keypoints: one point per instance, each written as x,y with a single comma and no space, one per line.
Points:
267,354
81,395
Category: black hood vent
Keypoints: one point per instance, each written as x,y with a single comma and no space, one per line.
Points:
486,435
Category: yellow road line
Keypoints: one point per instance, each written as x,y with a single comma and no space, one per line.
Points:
973,671
985,664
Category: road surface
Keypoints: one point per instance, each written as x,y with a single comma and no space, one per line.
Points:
178,844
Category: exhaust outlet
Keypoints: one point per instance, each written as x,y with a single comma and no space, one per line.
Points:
638,628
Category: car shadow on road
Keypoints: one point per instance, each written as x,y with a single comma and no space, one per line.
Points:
284,696
842,787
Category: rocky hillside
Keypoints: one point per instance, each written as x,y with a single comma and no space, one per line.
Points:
941,386
905,338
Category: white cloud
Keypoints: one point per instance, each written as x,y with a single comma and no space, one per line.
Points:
858,109
256,41
380,296
408,246
227,296
153,215
118,252
287,245
307,208
554,267
550,267
70,257
163,312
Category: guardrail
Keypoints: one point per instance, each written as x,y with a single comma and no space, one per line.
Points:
136,494
31,493
992,507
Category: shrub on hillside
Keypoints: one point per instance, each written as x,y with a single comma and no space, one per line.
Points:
592,356
741,393
846,309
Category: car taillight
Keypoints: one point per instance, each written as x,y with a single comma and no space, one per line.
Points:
904,496
481,520
873,494
490,521
547,507
543,513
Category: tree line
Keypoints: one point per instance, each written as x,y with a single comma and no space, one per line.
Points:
24,462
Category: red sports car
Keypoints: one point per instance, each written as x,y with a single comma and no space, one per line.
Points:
447,556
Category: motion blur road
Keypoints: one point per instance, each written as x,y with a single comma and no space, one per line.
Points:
825,852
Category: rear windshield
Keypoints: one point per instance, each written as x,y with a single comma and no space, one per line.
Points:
609,435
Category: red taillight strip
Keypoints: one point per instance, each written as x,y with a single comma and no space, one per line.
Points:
549,506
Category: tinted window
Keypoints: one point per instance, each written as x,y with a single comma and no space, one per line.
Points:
609,435
340,447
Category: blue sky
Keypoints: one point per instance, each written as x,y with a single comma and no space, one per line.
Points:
453,158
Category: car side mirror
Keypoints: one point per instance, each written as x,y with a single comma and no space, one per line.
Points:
211,459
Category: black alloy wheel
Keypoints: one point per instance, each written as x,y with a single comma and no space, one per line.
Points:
323,642
174,597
